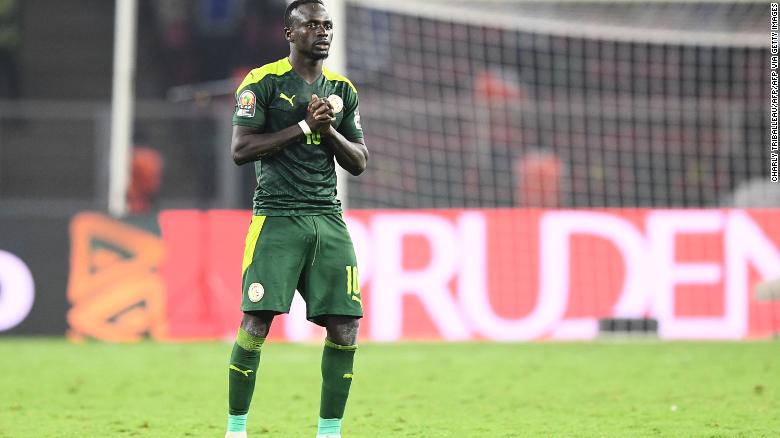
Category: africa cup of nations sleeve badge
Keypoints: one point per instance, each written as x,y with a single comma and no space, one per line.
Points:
245,104
336,103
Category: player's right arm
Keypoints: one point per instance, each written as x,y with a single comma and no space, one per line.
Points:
250,142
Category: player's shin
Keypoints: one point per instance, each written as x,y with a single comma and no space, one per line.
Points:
337,363
244,362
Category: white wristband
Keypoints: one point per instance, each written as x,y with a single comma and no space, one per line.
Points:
305,127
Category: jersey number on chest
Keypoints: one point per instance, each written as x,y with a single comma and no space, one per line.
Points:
313,138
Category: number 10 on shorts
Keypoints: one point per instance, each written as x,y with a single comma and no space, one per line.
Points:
353,281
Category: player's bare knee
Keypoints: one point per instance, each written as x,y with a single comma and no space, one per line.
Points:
343,330
257,323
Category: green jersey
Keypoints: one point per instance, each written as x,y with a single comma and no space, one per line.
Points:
301,178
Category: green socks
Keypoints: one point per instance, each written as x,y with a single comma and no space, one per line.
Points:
336,379
244,361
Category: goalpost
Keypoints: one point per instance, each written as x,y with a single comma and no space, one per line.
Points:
122,104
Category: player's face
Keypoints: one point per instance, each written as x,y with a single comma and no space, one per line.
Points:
312,31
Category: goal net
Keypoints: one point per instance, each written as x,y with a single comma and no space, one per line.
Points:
561,104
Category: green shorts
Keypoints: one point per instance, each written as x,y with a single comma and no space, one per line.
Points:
312,254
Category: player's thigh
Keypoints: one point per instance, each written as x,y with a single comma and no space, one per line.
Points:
332,284
274,256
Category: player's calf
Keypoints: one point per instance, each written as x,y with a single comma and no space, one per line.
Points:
337,372
242,371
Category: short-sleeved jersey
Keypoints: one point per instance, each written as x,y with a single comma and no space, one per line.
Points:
301,178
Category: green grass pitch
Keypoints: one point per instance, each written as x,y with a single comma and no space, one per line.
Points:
50,388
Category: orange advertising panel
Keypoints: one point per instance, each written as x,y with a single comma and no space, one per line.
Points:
115,291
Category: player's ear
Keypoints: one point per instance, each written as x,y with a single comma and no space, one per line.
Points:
288,34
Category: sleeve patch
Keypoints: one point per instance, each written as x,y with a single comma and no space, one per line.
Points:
246,104
357,119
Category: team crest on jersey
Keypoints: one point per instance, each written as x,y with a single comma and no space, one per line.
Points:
336,103
256,292
246,104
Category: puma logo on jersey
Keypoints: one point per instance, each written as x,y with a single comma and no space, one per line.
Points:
287,98
235,368
348,376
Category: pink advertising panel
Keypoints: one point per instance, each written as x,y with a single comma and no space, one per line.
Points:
505,275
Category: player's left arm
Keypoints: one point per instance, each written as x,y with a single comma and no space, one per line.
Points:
352,155
346,142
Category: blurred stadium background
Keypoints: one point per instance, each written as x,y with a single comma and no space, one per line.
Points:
564,170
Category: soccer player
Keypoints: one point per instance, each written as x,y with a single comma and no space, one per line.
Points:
291,119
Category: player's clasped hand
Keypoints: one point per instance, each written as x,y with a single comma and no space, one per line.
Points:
320,114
